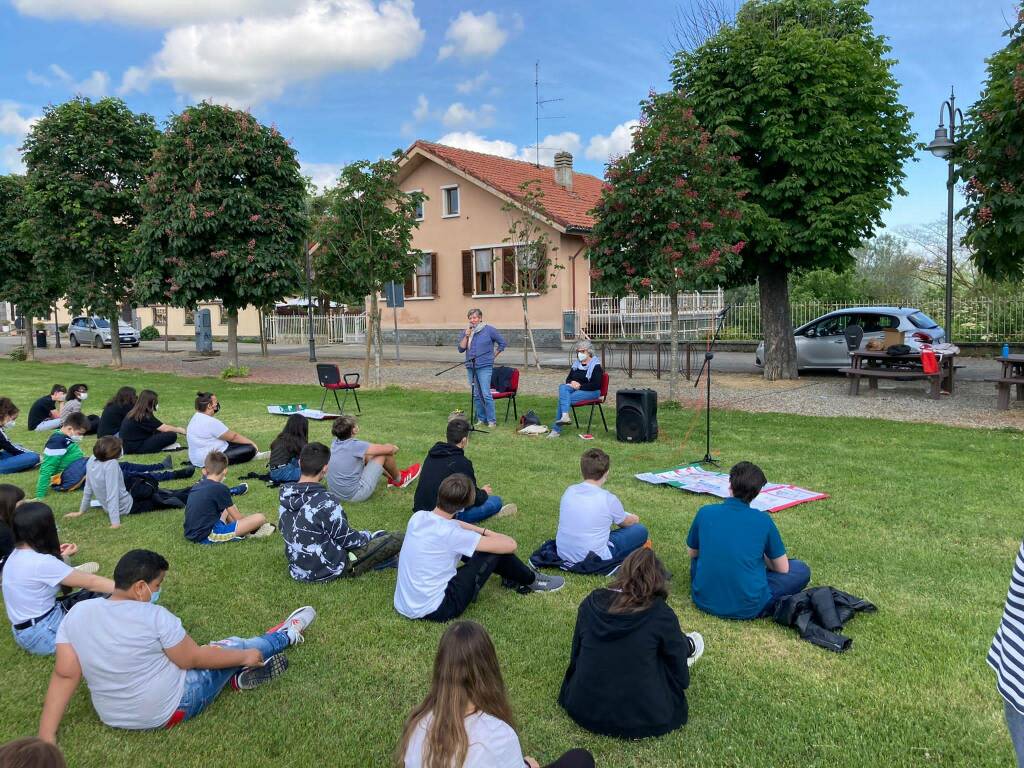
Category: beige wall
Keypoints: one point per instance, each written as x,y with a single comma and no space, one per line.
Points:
248,320
481,223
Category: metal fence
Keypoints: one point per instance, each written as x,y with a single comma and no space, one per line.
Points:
333,329
974,320
649,317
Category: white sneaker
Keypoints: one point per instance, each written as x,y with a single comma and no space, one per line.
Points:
267,529
88,568
507,510
173,448
262,455
698,647
553,434
296,623
566,419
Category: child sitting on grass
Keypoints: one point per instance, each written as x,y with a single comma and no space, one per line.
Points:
356,465
63,465
285,450
211,516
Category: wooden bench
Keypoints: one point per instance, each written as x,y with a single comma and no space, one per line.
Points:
874,374
1003,385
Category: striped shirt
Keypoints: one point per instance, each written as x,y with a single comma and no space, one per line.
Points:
1006,656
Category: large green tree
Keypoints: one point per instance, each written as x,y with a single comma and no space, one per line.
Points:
668,218
990,158
822,137
29,282
365,233
224,215
86,161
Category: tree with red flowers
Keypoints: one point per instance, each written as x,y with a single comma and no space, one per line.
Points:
669,213
224,215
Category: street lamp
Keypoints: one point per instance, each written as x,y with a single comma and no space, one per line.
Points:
942,147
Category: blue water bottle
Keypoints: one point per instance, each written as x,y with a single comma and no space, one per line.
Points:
1006,350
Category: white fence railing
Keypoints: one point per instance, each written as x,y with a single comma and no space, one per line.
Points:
333,329
649,317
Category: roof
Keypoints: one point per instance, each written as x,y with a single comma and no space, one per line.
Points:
570,209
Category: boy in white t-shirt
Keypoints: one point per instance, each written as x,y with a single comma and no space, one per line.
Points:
206,433
587,512
142,668
431,584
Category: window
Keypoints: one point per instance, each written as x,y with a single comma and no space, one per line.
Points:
419,205
921,320
450,201
190,317
519,270
421,283
498,271
222,316
159,315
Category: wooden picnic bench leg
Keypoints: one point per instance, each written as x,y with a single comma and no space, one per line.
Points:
872,382
1003,398
936,393
1020,391
854,384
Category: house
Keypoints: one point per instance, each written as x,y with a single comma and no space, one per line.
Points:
467,261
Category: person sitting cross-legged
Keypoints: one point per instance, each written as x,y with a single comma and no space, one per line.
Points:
44,414
211,516
319,543
206,433
356,465
431,585
143,669
449,458
142,432
13,457
63,466
738,566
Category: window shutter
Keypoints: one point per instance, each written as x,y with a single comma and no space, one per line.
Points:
410,284
433,274
508,270
467,273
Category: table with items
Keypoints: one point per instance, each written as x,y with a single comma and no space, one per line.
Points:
881,365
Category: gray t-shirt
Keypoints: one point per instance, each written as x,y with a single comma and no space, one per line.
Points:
346,466
120,645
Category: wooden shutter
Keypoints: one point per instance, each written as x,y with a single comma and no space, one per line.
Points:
508,270
433,274
468,272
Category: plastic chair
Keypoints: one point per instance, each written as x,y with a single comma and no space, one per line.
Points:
331,379
596,402
509,394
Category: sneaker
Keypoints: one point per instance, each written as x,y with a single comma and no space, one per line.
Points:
173,447
262,456
184,473
267,529
378,551
566,419
507,510
554,433
250,677
409,475
296,623
698,647
239,490
88,568
167,463
492,425
546,583
478,423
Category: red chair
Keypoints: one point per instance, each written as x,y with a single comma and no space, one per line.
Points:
595,402
509,394
331,380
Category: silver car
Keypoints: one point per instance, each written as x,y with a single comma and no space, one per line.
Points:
821,343
95,331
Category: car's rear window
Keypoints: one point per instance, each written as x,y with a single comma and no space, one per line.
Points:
921,320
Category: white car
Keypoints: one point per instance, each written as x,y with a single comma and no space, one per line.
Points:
95,331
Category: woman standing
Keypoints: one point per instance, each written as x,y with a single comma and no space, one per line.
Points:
478,343
115,410
142,432
13,457
583,383
77,395
466,720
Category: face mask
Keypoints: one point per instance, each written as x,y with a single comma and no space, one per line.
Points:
156,407
58,397
75,438
83,395
581,356
10,424
154,597
217,408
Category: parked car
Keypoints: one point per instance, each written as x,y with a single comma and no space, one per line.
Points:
95,331
821,344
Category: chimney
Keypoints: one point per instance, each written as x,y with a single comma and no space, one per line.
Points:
563,170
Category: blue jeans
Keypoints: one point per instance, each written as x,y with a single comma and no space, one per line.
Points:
622,541
17,462
157,472
566,397
783,585
41,639
482,400
286,473
480,512
203,685
1015,724
72,475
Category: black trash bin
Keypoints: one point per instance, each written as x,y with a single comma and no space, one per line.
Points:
41,339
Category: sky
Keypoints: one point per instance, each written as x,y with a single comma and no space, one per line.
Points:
347,80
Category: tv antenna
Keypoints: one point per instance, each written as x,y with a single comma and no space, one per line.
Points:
538,103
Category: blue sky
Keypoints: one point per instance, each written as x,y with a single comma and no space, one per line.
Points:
352,79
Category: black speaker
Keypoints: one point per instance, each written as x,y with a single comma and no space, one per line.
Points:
636,415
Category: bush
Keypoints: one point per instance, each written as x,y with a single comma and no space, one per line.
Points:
231,372
18,353
149,333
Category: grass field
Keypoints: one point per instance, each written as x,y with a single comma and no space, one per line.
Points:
924,521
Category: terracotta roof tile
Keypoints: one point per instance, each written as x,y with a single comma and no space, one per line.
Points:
570,208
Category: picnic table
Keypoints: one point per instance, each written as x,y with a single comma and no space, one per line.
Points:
1012,375
880,365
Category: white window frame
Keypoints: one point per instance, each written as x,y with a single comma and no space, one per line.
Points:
445,213
423,204
415,284
497,285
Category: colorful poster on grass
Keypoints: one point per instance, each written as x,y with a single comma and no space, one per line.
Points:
773,497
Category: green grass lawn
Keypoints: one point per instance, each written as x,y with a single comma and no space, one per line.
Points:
922,520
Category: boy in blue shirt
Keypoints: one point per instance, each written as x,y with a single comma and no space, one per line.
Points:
738,566
211,516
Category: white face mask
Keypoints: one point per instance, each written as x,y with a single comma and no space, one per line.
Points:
83,395
581,356
75,438
10,424
156,407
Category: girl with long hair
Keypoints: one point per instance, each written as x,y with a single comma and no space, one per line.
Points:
34,574
142,432
13,457
285,450
629,667
10,497
77,395
466,720
115,410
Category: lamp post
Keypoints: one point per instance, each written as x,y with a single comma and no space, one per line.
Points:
310,250
942,147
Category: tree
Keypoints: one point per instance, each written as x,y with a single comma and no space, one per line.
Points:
31,283
365,238
821,134
531,250
668,218
224,215
990,158
86,161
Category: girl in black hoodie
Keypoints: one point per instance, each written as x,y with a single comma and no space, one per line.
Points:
629,667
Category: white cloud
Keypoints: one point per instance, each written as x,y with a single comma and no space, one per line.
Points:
245,61
473,84
95,86
15,125
618,142
422,110
323,175
567,141
157,13
458,115
471,36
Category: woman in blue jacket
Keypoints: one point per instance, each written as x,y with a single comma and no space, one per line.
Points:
478,343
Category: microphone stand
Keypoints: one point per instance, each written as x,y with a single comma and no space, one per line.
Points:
472,389
709,355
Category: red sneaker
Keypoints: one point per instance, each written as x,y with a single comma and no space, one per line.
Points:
409,475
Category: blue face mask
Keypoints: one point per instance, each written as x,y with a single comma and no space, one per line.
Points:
154,597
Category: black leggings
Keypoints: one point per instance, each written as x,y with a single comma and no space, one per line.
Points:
155,442
471,577
238,453
574,758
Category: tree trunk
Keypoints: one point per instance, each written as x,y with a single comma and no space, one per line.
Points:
369,337
776,325
529,337
378,346
115,339
30,352
56,329
263,335
233,337
167,325
673,345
